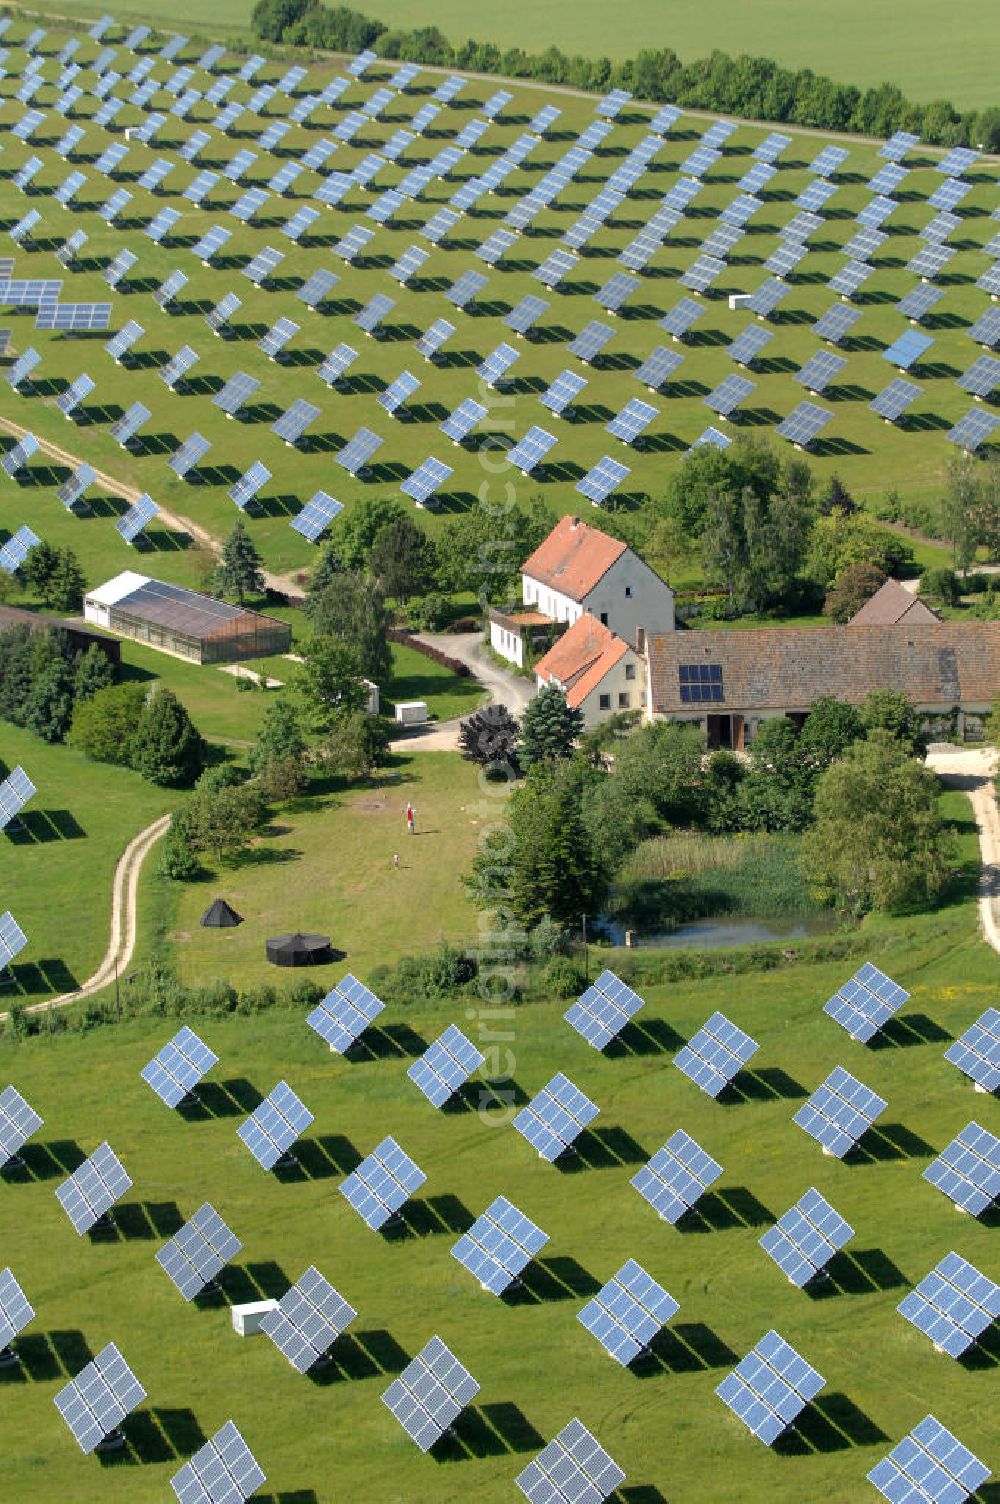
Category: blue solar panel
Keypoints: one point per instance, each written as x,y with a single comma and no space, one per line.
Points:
18,1119
770,1387
555,1117
907,349
317,514
865,1003
840,1112
445,1066
977,1052
929,1466
953,1306
804,1240
382,1183
714,1055
307,1320
345,1013
499,1246
574,1467
603,1010
272,1128
968,1170
198,1252
178,1067
628,1312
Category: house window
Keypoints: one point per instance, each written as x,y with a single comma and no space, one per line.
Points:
628,592
604,618
630,670
605,702
623,699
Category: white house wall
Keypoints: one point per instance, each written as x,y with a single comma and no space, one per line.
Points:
509,645
632,595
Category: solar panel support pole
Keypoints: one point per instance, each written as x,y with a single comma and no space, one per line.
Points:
8,1357
112,1442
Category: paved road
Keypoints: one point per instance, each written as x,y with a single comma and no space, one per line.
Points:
972,769
504,687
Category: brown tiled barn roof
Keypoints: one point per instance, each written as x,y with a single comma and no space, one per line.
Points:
892,603
940,664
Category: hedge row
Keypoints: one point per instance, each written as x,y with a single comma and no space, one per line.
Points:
405,636
756,88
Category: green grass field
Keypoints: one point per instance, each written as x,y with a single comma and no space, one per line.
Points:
332,1439
328,867
869,456
56,873
926,59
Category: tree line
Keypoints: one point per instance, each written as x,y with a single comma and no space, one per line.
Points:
756,88
850,781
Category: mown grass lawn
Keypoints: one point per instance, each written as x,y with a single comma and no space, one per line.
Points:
417,677
56,874
332,1439
328,868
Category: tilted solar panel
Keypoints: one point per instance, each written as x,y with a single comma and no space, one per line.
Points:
628,1312
929,1466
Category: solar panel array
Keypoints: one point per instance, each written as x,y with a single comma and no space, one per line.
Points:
968,1169
805,1239
138,517
628,1312
865,1003
95,1403
977,1052
603,1010
574,1466
272,1128
92,1190
954,1305
223,1471
929,1466
345,1013
15,791
770,1387
15,1310
178,1067
445,1066
715,1054
840,1112
499,1246
430,1393
307,1320
555,1118
18,1119
197,1254
382,1183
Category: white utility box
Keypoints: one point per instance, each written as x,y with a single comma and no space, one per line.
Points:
412,713
247,1319
739,299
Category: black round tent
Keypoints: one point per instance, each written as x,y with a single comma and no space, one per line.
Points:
220,915
298,949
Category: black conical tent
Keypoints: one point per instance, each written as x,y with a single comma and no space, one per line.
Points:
298,949
221,915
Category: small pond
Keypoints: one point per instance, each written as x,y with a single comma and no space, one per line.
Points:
715,934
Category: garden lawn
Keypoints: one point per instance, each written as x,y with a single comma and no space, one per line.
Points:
56,874
326,1439
417,677
328,867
